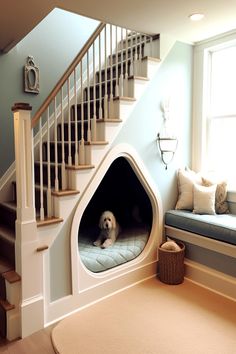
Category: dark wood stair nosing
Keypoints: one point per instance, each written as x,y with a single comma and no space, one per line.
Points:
48,221
64,193
6,305
11,276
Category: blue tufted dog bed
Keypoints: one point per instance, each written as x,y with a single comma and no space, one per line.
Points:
129,244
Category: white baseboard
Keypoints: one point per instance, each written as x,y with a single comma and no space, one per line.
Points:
211,279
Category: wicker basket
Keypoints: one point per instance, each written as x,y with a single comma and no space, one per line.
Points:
171,265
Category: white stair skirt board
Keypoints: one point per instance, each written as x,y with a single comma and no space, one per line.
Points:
211,279
88,287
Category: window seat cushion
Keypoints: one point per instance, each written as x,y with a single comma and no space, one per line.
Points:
219,227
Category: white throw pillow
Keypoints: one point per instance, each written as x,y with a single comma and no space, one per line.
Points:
221,204
186,180
204,199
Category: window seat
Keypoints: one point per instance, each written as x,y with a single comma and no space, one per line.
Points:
214,232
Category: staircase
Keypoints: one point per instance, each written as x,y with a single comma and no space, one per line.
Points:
73,130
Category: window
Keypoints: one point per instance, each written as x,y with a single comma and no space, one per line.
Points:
221,113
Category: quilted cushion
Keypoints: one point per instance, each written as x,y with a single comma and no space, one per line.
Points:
128,246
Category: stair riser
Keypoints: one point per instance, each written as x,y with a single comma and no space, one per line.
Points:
7,217
122,56
45,175
8,250
97,90
85,110
38,203
59,151
114,68
133,40
73,133
3,321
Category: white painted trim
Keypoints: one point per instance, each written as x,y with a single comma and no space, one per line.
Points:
201,241
82,278
211,279
88,287
100,299
217,40
32,315
201,51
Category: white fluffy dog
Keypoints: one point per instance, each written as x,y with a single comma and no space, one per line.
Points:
109,230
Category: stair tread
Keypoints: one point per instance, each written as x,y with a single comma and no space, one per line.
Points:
99,120
124,98
80,167
134,77
11,276
151,58
6,305
109,120
49,221
97,142
60,191
66,192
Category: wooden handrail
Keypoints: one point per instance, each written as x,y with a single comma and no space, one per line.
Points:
68,72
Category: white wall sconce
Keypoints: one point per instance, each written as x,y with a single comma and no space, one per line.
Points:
167,140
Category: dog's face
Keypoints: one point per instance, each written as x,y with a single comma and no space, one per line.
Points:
107,221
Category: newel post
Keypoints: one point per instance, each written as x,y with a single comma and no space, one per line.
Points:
28,261
23,157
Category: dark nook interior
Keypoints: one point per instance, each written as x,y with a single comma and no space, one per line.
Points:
121,192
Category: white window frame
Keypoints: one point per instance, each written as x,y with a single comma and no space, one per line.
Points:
202,51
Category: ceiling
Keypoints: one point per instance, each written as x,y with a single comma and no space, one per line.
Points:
17,18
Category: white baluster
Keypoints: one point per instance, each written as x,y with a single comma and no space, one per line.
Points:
63,165
88,100
41,169
126,65
100,79
145,46
81,143
49,194
76,121
117,84
131,55
55,147
111,103
140,50
136,55
105,54
94,120
69,123
151,48
121,78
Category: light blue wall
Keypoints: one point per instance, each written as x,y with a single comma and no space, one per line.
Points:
173,79
54,43
140,131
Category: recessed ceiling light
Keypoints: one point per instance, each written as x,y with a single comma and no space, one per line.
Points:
196,17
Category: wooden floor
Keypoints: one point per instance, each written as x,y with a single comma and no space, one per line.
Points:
37,343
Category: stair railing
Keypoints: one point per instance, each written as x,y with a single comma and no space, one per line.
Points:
67,120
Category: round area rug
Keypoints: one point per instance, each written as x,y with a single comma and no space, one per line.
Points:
151,318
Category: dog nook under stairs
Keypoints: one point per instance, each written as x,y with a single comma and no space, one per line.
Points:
121,192
68,176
